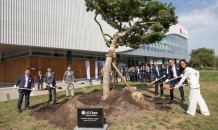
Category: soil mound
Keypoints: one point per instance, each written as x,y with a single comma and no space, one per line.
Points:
64,113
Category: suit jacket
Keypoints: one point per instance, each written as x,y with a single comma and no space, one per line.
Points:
69,78
38,78
127,71
136,71
151,69
111,74
50,79
101,74
178,72
22,81
123,71
161,72
143,70
192,76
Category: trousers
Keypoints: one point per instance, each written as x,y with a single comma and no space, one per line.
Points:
40,83
27,96
194,99
72,89
50,94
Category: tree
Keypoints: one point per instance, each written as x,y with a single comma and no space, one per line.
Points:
137,22
202,57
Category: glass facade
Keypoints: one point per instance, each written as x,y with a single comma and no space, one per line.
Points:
172,46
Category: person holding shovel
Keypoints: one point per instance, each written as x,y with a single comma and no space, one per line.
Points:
50,83
174,72
158,73
195,97
26,82
69,78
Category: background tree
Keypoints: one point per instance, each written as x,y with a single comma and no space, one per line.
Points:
202,57
137,22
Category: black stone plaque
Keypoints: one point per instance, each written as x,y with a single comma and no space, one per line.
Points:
90,117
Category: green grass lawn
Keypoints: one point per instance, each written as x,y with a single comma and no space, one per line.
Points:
174,119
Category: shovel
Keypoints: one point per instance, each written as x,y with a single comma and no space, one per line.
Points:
173,87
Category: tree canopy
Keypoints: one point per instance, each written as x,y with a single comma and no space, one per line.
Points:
202,57
147,20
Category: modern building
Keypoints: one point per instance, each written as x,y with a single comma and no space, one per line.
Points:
38,33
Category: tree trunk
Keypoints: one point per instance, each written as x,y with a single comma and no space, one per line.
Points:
106,89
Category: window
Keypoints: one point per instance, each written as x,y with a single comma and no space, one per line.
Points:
77,56
41,53
58,54
90,57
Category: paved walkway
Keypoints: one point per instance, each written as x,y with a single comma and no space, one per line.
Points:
8,93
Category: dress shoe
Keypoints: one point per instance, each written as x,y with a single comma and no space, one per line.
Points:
26,109
171,100
19,111
54,102
72,96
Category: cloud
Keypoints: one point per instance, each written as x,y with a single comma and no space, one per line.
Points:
202,23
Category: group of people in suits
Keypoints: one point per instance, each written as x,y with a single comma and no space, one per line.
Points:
27,82
177,74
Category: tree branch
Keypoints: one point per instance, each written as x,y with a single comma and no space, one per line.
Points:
120,44
101,30
108,35
114,24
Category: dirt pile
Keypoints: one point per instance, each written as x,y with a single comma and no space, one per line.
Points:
64,114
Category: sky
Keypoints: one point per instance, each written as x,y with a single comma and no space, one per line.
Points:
200,18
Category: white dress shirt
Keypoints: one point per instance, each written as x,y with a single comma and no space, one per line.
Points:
167,71
26,81
138,70
157,71
68,72
174,71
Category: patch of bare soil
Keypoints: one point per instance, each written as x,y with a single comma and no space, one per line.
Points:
64,114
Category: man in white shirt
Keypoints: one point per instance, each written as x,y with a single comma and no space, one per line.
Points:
26,82
174,72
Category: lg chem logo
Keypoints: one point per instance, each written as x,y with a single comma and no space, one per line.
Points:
182,32
83,112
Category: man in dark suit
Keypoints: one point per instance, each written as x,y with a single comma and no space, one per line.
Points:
174,72
138,73
158,73
148,73
151,73
143,73
111,76
50,81
122,72
101,76
116,76
133,74
26,82
39,80
127,74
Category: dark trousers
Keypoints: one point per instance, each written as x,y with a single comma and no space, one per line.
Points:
54,93
130,77
156,86
27,96
149,77
142,76
116,78
101,80
173,84
138,77
40,83
133,77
